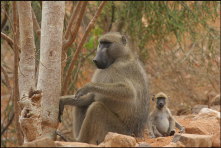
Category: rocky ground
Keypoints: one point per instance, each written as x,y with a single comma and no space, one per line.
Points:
201,130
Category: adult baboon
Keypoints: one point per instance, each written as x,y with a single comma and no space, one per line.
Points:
161,122
116,98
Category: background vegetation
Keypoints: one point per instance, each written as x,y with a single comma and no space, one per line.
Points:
178,42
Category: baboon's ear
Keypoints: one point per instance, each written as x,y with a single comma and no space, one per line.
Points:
153,97
124,39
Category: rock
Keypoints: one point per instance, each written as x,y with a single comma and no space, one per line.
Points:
193,140
143,144
209,111
159,141
73,144
118,140
198,124
204,123
177,144
196,108
44,142
171,144
192,128
216,140
215,107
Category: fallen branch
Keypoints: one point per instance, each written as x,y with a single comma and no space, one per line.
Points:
89,27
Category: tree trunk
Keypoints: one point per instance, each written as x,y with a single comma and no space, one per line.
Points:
26,72
27,56
49,80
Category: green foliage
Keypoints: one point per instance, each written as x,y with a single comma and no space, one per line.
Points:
155,20
92,41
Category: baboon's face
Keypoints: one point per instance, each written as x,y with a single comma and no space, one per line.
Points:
161,102
103,59
111,46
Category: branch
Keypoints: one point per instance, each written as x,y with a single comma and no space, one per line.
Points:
7,125
16,61
68,42
36,25
112,16
6,78
89,27
7,39
5,16
73,16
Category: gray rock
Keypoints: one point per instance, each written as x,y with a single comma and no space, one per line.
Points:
193,140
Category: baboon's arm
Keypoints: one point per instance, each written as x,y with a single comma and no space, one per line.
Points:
171,124
150,127
180,127
112,90
82,101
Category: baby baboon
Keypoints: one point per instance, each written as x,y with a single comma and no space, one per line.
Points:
161,122
116,98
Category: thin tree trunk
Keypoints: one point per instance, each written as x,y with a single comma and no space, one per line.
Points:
27,56
49,80
17,110
26,70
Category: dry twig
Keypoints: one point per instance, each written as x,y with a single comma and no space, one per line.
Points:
72,38
7,125
7,39
73,16
6,78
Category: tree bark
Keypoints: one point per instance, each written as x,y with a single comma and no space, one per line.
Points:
49,80
26,76
27,56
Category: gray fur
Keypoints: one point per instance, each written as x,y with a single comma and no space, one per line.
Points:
120,95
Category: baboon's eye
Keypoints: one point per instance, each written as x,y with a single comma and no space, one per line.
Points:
104,44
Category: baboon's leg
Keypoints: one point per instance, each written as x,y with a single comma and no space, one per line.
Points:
79,115
156,132
99,120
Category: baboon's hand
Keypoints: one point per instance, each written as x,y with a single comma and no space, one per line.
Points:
182,130
61,109
172,133
82,91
